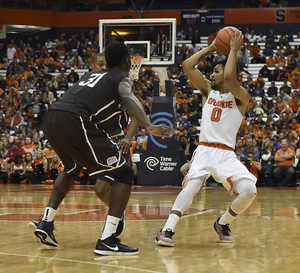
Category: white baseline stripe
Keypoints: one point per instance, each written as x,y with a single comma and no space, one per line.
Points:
82,262
198,213
83,211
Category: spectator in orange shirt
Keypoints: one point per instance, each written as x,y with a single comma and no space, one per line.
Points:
49,152
58,64
294,104
48,59
280,104
284,170
19,53
255,49
297,69
253,166
271,60
295,81
295,125
280,59
284,75
28,145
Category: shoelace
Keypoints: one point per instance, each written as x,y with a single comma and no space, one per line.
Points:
169,233
226,229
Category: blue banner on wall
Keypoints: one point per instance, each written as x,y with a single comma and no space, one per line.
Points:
202,17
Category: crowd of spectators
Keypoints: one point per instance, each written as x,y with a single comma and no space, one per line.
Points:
35,72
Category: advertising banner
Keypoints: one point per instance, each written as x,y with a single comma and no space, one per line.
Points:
198,17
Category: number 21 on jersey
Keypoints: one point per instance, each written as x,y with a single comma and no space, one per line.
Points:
94,78
216,114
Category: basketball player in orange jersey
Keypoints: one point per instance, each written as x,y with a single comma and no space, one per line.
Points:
225,104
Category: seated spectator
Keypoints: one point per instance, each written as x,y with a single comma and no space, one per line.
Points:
141,139
28,145
284,75
239,147
297,69
14,151
294,103
295,81
287,89
28,170
264,72
267,51
295,125
280,59
249,147
17,120
56,167
3,169
285,98
258,90
73,77
267,161
48,152
40,167
280,104
253,166
284,170
16,170
271,60
272,90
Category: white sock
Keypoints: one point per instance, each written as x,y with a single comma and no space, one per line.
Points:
49,214
171,222
110,227
227,218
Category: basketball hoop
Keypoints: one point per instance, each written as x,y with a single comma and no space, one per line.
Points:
136,63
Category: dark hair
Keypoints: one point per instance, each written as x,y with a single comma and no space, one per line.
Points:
95,56
115,54
223,63
18,156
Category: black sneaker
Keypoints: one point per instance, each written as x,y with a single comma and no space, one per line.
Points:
44,232
33,225
112,246
121,226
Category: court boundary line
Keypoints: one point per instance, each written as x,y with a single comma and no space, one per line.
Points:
82,262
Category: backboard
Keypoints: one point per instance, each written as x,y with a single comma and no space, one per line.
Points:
155,38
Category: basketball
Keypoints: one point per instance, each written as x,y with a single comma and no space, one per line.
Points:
223,39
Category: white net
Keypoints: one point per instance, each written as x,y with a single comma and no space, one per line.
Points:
136,63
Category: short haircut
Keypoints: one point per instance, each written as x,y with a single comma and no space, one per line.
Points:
223,63
96,55
116,53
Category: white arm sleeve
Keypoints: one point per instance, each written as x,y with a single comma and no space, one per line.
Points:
265,157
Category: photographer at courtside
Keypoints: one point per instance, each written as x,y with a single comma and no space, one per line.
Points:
253,166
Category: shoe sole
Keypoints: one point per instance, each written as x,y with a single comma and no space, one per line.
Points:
162,243
114,253
42,235
32,226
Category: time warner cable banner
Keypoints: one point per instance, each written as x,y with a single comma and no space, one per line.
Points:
161,163
202,17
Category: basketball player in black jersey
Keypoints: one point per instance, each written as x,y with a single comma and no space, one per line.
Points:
75,126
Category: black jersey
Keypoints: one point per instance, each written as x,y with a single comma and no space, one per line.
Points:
95,97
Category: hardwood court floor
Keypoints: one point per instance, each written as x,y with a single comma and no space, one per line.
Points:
267,235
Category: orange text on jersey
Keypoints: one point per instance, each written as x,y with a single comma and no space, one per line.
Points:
222,104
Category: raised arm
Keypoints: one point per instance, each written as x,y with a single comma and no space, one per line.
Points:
230,72
135,108
194,74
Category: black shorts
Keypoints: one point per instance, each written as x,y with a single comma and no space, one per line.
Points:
79,143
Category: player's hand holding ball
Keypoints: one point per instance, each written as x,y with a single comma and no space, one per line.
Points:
227,38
